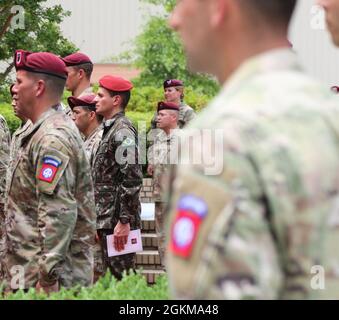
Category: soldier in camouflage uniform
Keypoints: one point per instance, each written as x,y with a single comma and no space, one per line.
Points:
5,140
50,218
174,93
79,68
88,122
263,225
117,174
160,158
90,125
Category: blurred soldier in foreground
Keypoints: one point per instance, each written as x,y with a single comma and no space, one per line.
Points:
264,226
117,174
160,158
89,124
50,218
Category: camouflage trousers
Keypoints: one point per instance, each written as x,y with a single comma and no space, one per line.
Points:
98,263
160,230
118,264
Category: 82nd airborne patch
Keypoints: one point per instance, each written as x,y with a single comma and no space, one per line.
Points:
50,167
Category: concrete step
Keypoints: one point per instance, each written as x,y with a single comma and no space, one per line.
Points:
148,257
149,241
152,275
148,226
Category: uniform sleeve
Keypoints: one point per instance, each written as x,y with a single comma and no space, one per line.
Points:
190,115
57,209
4,161
131,174
220,242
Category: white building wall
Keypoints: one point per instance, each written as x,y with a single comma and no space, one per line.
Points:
102,28
313,44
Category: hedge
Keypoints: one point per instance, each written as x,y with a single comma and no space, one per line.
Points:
131,287
141,107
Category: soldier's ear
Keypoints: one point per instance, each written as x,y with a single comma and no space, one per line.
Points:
218,11
40,87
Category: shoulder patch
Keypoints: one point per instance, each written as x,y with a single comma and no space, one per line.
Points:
191,211
50,166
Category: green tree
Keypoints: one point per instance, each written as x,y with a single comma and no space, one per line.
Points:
40,31
158,52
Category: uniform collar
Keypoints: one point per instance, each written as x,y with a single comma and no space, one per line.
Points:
109,122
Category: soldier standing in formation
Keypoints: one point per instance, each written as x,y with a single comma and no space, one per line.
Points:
50,217
161,156
259,227
5,141
174,93
117,174
79,69
88,122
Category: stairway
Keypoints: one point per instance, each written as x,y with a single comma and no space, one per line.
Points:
149,260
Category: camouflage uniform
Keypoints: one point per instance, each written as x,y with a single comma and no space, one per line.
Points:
117,184
50,220
92,143
260,227
159,155
5,140
186,114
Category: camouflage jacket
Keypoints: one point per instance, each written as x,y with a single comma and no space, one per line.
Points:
92,143
162,155
50,220
186,114
117,175
5,140
264,224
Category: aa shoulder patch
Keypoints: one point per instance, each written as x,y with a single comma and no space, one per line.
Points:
191,211
50,166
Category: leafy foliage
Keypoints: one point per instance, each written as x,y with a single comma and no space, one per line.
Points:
131,287
41,31
158,52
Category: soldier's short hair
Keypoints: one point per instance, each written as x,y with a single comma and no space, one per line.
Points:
54,86
276,12
87,67
125,96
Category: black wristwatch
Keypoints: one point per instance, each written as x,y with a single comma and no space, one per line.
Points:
124,220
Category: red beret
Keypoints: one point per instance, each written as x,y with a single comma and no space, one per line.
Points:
167,106
84,101
113,83
75,59
40,62
173,83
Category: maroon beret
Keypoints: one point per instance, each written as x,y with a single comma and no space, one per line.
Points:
75,59
167,106
40,62
335,89
173,83
84,101
114,83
